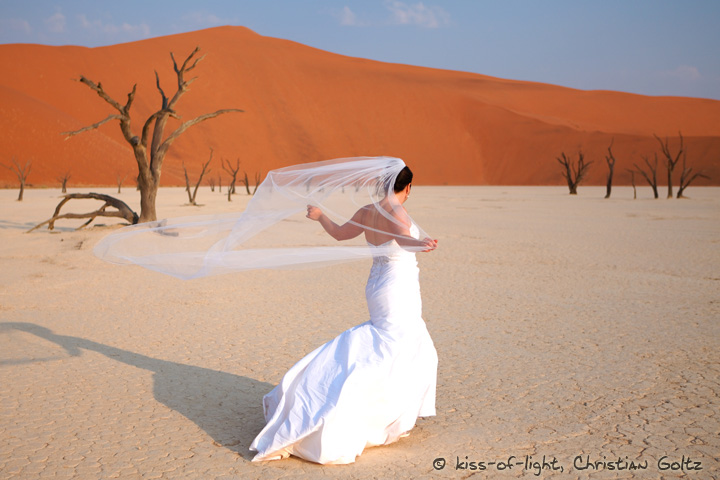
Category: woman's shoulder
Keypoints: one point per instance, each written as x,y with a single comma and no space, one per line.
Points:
390,216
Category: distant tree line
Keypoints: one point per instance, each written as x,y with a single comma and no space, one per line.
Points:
575,171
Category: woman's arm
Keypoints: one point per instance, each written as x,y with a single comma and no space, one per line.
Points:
427,242
346,231
403,236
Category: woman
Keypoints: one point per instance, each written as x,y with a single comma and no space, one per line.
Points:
369,385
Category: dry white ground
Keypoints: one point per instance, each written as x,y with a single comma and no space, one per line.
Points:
574,329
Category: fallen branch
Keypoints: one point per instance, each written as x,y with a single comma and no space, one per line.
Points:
123,211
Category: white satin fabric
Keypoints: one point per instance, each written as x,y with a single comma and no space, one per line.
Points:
366,387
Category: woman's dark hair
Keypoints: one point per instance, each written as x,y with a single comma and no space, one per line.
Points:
403,179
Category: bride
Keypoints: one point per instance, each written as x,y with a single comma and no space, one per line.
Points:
369,385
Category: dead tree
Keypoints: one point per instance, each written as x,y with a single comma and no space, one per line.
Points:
191,197
22,174
651,174
610,159
573,172
120,179
122,210
246,182
219,183
233,176
632,180
670,159
211,183
687,176
150,148
63,181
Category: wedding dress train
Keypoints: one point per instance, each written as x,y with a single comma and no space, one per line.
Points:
364,388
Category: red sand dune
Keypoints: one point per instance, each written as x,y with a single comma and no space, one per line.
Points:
302,104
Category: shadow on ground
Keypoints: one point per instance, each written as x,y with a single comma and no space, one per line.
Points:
7,225
226,406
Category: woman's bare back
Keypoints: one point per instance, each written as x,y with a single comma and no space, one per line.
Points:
375,224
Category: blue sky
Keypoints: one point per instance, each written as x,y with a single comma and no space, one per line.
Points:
651,47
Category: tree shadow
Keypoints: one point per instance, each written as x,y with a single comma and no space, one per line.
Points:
228,407
7,225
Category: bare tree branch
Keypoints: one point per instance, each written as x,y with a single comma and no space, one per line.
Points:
146,127
191,197
171,138
687,177
652,170
182,84
91,127
246,182
131,98
123,211
162,93
99,90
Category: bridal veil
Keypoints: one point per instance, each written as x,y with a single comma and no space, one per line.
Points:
272,232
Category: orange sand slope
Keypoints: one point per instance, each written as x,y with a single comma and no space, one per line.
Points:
302,104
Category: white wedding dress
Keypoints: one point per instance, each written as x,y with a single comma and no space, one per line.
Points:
366,387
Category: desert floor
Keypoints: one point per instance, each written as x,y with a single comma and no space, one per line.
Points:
574,329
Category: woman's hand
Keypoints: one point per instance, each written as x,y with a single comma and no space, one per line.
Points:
314,213
430,244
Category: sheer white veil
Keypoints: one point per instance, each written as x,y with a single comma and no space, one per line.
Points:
273,232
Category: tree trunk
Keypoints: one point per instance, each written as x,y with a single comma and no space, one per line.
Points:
22,191
608,187
148,194
247,183
191,200
233,171
610,159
